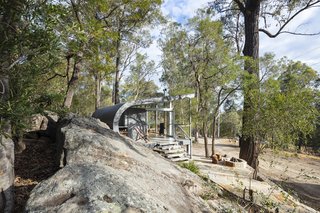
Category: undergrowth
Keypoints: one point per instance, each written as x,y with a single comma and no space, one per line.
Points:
191,166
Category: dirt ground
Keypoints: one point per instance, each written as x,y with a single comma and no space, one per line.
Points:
33,165
298,174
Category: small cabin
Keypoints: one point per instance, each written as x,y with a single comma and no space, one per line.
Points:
132,122
151,120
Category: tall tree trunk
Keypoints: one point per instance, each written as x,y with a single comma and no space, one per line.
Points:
248,147
196,133
205,137
197,126
116,90
97,91
73,81
214,122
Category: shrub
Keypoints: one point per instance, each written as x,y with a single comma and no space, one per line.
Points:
191,166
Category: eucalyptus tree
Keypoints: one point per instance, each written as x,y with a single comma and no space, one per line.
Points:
100,38
28,50
138,84
230,124
126,19
196,56
250,14
88,45
284,108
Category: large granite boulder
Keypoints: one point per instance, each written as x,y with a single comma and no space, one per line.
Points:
103,171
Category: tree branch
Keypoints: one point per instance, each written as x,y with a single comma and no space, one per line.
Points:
76,12
55,75
240,5
227,10
300,34
309,5
287,32
228,94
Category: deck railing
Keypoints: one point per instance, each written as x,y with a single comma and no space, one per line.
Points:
177,126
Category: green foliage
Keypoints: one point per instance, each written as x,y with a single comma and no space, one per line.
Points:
245,26
313,139
38,37
284,107
128,23
230,125
191,166
196,59
28,52
138,84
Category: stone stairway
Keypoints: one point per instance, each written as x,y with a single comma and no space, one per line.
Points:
172,151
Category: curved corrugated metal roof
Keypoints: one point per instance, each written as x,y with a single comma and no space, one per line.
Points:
107,114
111,115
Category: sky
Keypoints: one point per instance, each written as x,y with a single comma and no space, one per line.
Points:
298,48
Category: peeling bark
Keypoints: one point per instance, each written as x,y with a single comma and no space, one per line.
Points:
248,147
73,81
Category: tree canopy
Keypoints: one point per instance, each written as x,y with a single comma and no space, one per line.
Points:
56,55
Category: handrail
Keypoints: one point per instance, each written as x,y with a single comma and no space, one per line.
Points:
184,132
187,137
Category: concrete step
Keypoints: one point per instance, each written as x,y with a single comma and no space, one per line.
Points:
179,159
167,144
169,147
176,155
171,151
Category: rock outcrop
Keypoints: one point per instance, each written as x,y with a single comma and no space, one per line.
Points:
45,124
6,174
103,171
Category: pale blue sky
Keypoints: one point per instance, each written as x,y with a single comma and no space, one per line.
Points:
302,48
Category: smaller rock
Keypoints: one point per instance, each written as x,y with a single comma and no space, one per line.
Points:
219,157
214,159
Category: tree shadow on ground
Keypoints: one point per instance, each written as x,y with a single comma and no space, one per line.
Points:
227,145
309,194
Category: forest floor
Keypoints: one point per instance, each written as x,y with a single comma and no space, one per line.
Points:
297,174
34,164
